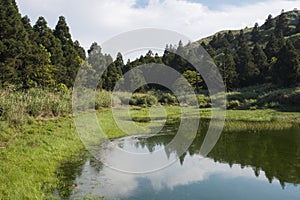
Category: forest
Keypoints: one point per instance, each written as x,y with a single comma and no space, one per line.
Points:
37,56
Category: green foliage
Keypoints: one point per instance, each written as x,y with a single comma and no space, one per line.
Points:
103,99
247,70
233,104
227,67
261,61
143,100
286,71
256,35
167,98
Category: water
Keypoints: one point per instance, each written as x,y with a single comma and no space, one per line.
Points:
243,165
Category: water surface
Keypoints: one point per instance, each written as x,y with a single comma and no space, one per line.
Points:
243,165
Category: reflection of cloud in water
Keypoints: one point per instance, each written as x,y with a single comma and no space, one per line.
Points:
113,184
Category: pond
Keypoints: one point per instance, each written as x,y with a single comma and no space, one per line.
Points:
242,165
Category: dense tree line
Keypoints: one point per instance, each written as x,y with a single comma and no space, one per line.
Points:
37,56
262,54
32,56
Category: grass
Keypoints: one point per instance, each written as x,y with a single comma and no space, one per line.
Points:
37,133
29,162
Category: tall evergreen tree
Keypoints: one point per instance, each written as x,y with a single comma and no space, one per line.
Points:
230,36
246,68
273,46
72,58
255,33
45,37
228,70
119,64
286,70
13,44
80,50
37,69
98,62
297,30
31,34
210,50
282,26
261,62
270,23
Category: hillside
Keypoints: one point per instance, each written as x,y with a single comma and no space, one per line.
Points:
261,54
266,29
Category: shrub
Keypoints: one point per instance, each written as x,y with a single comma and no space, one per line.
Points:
102,99
167,98
204,101
233,104
143,100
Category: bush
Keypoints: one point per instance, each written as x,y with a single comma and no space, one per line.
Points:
204,101
233,104
167,98
103,99
143,100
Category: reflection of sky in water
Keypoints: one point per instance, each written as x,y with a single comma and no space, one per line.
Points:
196,178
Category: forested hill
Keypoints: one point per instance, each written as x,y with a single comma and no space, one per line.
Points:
262,54
34,55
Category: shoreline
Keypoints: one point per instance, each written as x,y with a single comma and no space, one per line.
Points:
30,161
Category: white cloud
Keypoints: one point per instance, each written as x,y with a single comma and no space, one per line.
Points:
99,20
114,185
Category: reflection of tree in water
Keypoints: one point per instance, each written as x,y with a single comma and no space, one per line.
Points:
277,153
67,173
96,164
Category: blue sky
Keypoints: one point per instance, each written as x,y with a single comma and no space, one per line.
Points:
99,20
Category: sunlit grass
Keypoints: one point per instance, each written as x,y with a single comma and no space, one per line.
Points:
30,160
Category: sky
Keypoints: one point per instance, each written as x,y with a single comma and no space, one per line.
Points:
99,20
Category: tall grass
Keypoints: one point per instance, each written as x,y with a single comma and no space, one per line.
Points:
17,106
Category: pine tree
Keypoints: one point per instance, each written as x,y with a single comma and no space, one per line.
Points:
98,62
230,36
246,68
286,70
261,62
297,30
241,38
282,26
255,33
37,69
210,50
31,34
273,46
179,63
270,23
46,38
119,64
80,50
228,70
14,42
72,58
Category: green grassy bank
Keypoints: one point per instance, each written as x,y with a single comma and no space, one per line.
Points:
32,151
